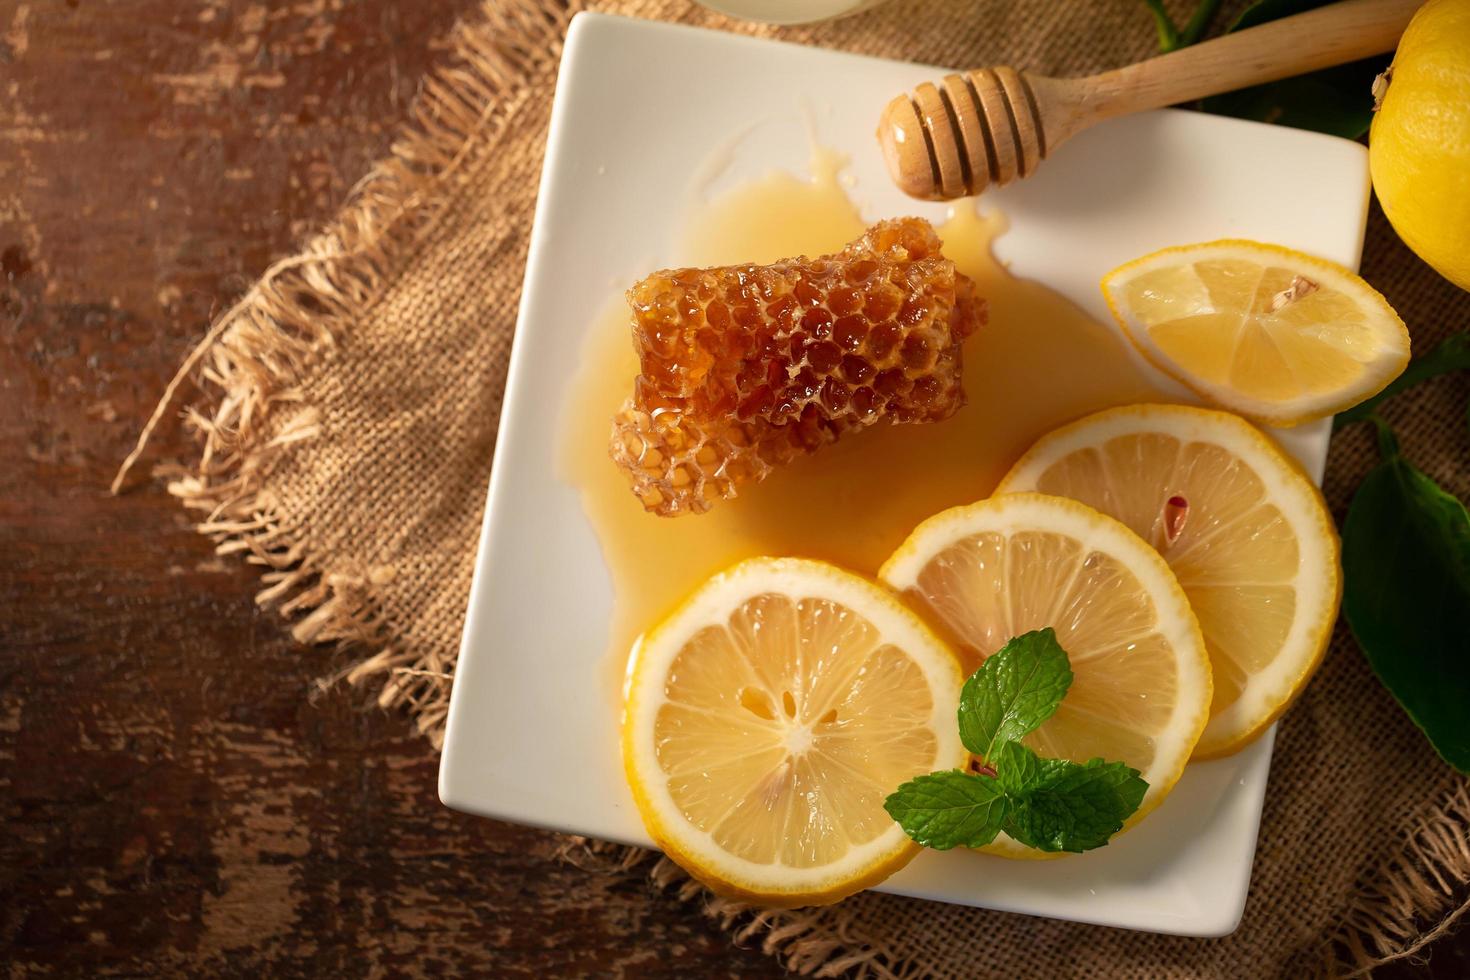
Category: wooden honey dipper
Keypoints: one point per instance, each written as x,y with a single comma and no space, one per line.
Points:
992,125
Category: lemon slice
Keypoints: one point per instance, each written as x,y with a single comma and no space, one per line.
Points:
1271,333
768,718
1246,531
1141,687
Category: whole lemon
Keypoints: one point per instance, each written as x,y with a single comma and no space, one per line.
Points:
1419,146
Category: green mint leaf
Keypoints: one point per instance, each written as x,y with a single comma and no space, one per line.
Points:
1452,354
1020,770
1014,691
1048,804
949,809
1075,807
1335,100
1406,595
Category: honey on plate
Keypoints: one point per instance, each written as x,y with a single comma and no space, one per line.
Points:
1038,362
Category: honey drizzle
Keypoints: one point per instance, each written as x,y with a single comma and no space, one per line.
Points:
1039,362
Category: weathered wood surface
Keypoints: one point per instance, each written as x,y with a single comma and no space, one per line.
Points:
173,801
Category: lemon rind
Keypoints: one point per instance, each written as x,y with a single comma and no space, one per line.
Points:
1104,533
1285,480
1377,373
695,850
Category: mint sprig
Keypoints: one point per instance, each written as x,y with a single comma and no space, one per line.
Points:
949,809
1048,804
1013,692
1072,807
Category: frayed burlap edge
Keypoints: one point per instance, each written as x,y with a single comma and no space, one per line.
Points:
794,937
1412,899
250,364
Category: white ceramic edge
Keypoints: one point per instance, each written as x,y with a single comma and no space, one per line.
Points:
769,11
1308,440
515,368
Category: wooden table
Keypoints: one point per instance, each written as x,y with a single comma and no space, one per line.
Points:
174,799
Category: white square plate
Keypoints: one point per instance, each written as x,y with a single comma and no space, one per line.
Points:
639,109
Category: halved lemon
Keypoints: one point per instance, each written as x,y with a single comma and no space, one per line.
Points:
1141,680
1245,530
770,715
1274,334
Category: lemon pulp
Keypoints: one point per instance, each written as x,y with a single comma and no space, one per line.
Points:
1245,531
810,743
770,717
1268,332
1011,564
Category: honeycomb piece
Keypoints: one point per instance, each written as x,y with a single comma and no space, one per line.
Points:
679,464
744,368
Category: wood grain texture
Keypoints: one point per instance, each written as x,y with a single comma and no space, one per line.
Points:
174,799
935,156
1332,35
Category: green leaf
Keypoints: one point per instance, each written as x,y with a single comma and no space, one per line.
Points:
1020,770
1452,354
1199,21
1388,443
1014,691
1050,804
1170,37
949,809
1164,24
1335,100
1076,807
1406,573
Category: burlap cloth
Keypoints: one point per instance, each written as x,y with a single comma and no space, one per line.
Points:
347,409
